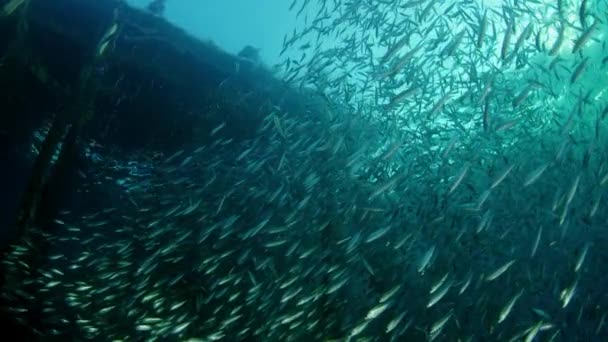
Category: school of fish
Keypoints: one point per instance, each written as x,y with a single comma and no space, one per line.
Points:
452,188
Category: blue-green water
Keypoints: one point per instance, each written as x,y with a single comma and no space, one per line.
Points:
442,176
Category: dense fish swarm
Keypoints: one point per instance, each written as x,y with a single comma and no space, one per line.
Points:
453,188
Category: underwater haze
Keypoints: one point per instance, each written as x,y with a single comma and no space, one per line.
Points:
233,24
410,170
